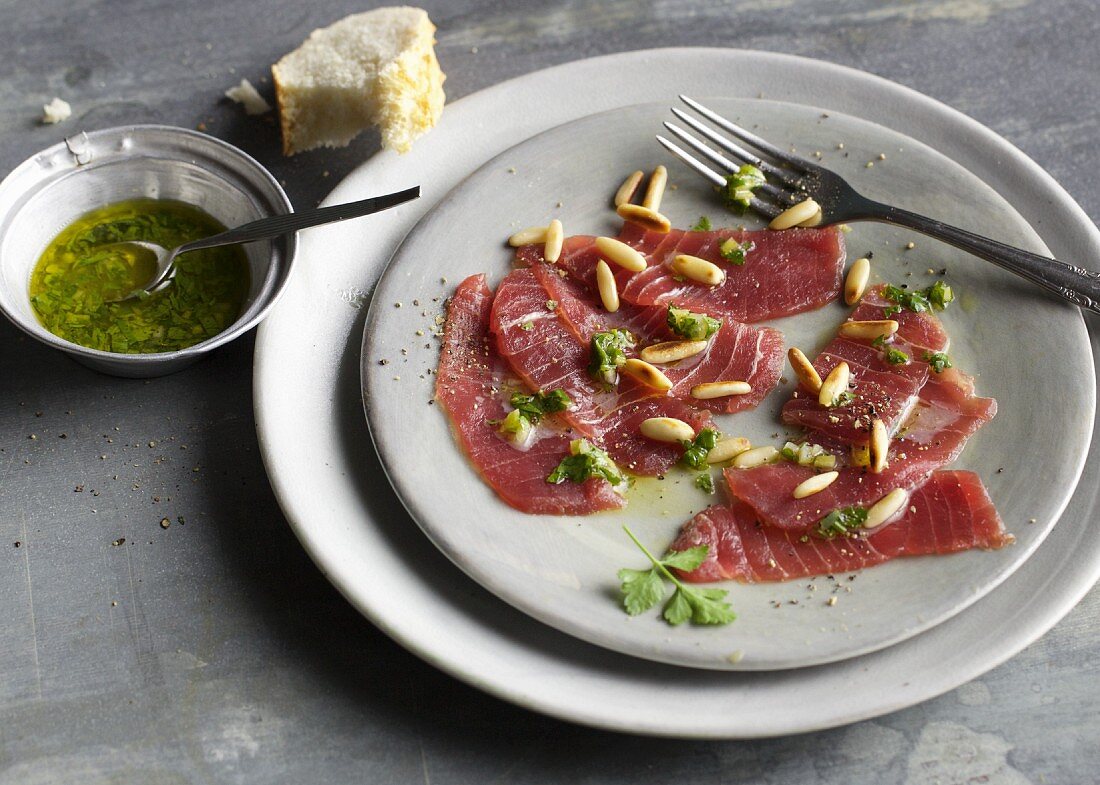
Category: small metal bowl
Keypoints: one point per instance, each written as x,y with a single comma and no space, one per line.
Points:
50,190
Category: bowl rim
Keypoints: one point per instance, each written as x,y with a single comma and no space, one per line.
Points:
237,328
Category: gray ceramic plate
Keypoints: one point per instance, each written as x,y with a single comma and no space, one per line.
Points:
333,491
562,570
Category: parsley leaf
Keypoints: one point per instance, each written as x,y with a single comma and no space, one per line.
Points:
740,186
938,360
705,482
735,252
895,356
702,225
584,462
691,326
695,451
643,589
841,522
608,353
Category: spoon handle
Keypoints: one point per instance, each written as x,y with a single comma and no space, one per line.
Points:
277,225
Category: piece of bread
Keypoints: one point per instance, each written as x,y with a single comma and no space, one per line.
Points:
374,68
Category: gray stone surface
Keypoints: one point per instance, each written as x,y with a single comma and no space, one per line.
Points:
213,651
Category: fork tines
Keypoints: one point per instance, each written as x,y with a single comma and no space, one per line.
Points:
789,177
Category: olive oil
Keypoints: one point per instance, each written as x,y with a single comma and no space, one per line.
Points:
84,269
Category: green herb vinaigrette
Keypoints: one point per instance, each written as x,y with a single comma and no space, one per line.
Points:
82,270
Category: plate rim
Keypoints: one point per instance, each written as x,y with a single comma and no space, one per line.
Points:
1070,593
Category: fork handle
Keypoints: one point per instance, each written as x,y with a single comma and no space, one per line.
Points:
278,225
1078,285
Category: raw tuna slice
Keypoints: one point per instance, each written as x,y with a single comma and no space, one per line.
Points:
944,417
737,352
547,355
951,512
470,387
785,273
881,389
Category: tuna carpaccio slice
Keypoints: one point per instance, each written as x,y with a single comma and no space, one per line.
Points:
951,512
784,273
880,389
946,414
472,387
737,352
546,354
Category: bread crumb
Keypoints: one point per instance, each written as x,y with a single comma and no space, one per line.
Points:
56,111
247,96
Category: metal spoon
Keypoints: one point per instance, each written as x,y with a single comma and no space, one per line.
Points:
263,229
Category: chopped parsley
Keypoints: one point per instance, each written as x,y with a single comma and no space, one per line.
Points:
527,326
642,589
740,186
551,305
584,462
842,522
696,450
807,454
515,427
608,353
702,225
895,356
880,341
533,407
527,411
691,326
940,295
843,399
705,482
735,252
939,361
936,297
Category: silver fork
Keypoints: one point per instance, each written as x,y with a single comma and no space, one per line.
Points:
792,179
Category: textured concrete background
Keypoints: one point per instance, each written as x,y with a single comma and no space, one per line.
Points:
213,651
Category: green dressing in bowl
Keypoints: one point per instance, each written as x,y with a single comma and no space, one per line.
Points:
83,270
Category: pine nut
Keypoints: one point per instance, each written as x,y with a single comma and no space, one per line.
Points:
868,331
671,351
667,429
627,189
757,456
804,370
709,390
555,236
655,190
727,449
644,217
609,290
835,384
856,282
646,374
879,447
815,484
886,508
699,270
620,253
814,220
532,234
793,216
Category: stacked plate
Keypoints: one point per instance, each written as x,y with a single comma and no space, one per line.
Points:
545,629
